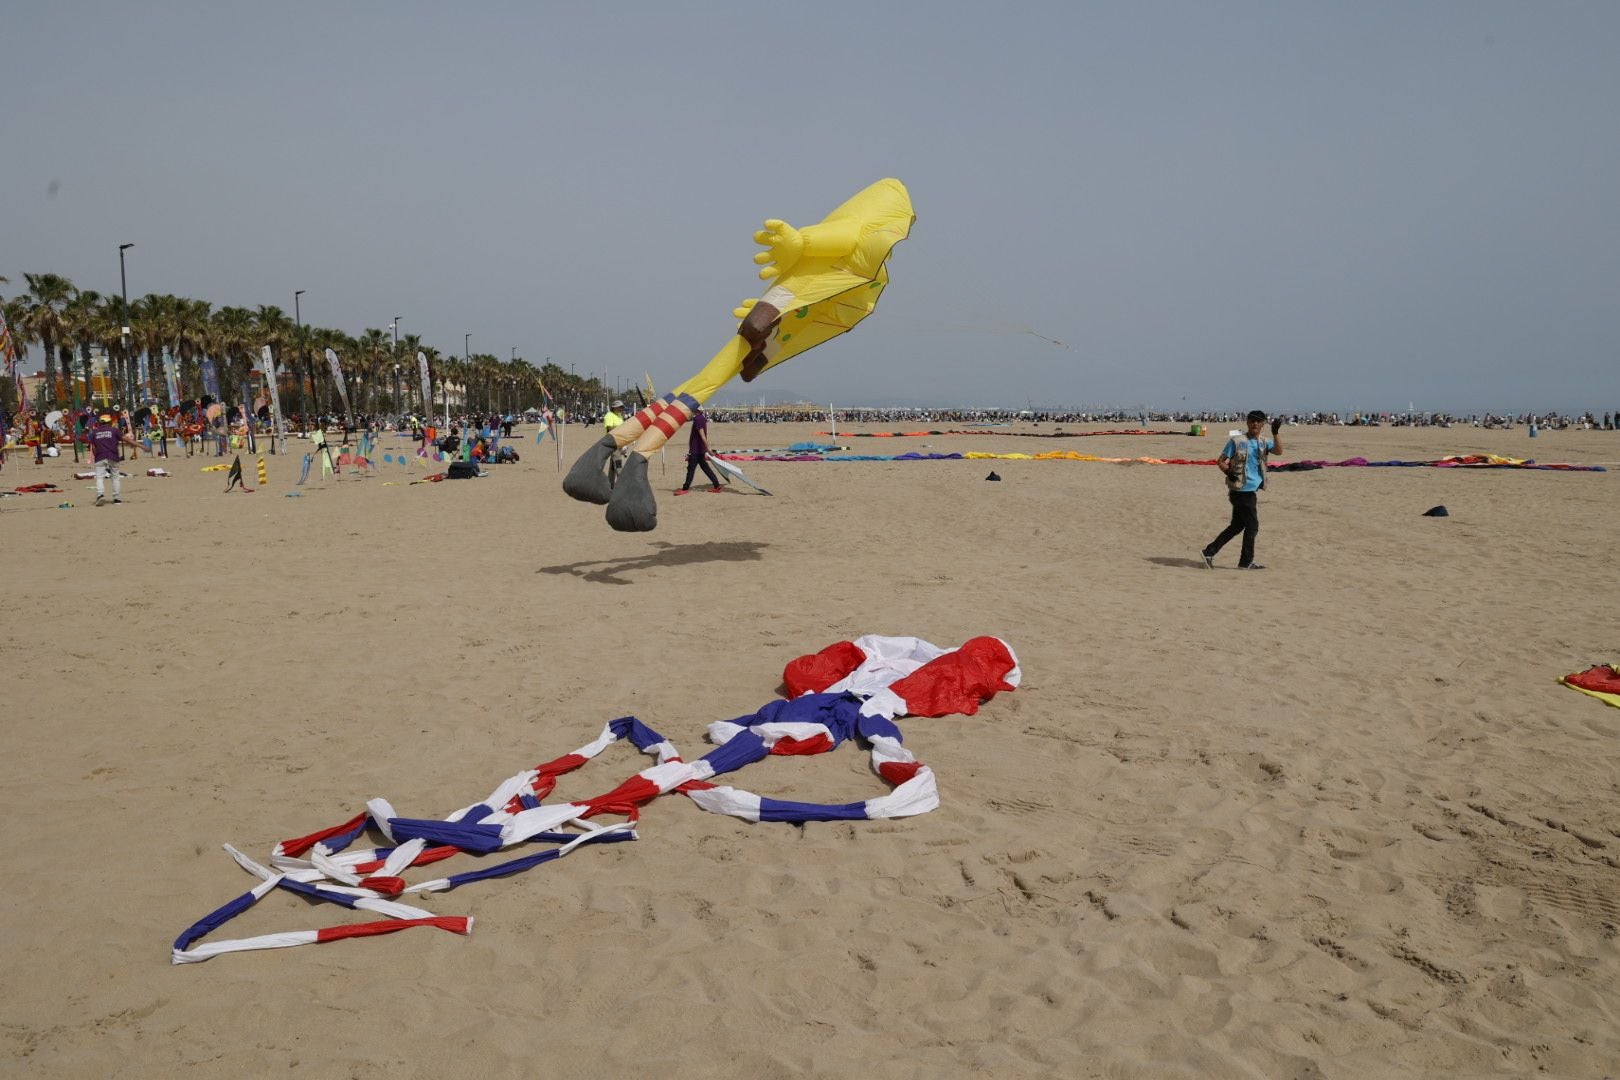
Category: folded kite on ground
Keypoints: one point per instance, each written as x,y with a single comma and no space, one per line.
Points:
1601,682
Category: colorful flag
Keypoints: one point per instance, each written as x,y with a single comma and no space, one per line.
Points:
427,384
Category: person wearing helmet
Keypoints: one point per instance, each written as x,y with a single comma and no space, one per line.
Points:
105,438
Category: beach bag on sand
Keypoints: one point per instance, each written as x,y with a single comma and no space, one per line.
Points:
462,470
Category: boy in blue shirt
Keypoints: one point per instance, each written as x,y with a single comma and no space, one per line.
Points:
1243,461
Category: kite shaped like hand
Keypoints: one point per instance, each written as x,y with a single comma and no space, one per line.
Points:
783,243
826,276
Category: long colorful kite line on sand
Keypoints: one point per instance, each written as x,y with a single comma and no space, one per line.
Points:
847,690
1000,434
1601,682
1455,461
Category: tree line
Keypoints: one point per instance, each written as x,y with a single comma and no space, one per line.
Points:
69,325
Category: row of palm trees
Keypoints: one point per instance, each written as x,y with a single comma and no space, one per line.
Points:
69,324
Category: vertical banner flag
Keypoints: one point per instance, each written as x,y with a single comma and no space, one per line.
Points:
278,429
8,348
143,375
101,376
171,379
8,356
210,377
427,386
337,377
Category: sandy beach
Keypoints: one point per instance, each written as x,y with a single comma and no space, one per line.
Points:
1332,820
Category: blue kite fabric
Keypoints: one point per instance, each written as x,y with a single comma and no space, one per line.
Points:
849,690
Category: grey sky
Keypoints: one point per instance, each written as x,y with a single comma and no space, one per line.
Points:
1294,204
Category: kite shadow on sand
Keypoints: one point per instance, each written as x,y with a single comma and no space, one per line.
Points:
608,571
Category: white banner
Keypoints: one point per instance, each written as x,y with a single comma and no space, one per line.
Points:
427,386
279,428
337,377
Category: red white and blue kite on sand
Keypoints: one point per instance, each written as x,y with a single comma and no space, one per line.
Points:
848,690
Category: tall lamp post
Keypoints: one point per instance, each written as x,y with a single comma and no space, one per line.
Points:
303,363
129,361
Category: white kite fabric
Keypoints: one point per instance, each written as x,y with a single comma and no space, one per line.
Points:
847,690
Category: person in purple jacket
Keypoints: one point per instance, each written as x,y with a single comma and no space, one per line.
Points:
105,438
697,452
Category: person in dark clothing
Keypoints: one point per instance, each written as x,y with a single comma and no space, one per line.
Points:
1243,463
697,452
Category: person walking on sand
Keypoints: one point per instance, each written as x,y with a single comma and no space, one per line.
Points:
105,438
697,452
1243,462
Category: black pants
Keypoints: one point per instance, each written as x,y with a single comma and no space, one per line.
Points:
1245,520
693,464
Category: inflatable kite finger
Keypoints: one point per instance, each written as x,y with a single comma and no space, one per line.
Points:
825,279
853,689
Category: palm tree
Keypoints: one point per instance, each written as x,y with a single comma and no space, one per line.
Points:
275,330
405,361
82,317
234,331
114,317
48,295
153,331
322,339
373,350
190,340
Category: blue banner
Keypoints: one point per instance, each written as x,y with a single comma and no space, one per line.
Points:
171,379
210,378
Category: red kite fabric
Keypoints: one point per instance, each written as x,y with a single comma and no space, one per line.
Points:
1601,682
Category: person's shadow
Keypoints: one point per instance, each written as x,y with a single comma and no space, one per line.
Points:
1171,560
607,571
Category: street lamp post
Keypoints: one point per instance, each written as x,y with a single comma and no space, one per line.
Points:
303,363
123,289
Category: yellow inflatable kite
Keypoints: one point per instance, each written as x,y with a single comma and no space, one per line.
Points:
825,278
